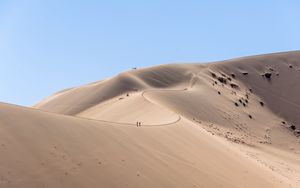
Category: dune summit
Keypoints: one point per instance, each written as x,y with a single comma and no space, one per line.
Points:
233,123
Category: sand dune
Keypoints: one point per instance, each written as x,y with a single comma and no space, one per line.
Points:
233,123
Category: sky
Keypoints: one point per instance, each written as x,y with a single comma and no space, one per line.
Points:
49,45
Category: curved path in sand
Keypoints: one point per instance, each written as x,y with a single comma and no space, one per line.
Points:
132,124
147,99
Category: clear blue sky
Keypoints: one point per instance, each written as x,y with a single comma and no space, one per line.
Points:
47,46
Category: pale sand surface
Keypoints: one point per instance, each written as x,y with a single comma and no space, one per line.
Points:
213,125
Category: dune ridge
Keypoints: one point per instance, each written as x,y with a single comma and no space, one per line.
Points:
232,123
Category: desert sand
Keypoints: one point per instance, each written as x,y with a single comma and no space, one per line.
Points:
234,123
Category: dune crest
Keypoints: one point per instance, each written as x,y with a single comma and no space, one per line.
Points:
233,123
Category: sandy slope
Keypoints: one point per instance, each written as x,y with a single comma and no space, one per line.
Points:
42,149
220,124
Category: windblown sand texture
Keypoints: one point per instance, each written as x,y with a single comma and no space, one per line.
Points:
230,124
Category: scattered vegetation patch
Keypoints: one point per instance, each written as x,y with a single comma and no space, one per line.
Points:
222,80
236,104
293,127
234,86
261,103
213,75
268,75
243,102
250,116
